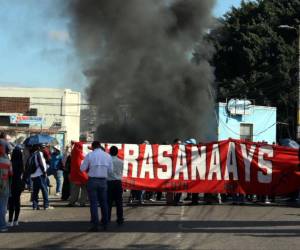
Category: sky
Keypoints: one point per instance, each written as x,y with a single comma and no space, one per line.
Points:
36,48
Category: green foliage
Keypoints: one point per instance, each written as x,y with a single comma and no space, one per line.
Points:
257,59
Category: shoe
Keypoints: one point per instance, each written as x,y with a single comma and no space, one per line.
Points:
93,229
3,230
82,204
120,222
153,200
36,208
16,223
70,205
9,224
48,208
57,194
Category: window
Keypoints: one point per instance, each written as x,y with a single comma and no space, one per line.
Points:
246,131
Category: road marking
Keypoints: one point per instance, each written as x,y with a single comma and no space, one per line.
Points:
179,235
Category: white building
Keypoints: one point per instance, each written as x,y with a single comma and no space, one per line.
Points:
25,111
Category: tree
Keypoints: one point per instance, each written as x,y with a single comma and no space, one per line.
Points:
256,59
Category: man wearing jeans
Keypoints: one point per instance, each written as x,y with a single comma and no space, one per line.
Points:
39,179
55,169
98,164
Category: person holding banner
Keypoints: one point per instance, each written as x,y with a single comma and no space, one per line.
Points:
97,164
114,185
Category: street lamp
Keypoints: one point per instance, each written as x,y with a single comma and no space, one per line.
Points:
288,27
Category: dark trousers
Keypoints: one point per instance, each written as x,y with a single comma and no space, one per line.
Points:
40,183
14,206
97,191
158,196
195,198
177,198
115,194
66,187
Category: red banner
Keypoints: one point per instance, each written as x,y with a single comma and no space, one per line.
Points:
230,166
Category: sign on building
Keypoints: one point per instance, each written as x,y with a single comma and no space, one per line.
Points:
22,119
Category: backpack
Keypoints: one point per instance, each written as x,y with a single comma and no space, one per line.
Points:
31,166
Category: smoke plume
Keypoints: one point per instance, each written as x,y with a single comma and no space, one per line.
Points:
137,55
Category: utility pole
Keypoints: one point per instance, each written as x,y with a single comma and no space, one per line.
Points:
298,120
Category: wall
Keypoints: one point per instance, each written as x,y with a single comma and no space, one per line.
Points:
56,106
263,120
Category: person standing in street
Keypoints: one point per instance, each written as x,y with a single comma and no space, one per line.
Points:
114,185
56,168
17,186
65,193
97,164
39,178
78,179
5,174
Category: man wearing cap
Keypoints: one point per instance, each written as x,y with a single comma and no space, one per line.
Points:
97,164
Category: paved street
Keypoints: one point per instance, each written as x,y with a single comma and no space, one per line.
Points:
160,227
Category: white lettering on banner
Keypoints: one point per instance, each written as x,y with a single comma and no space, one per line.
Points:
147,163
162,166
198,162
247,159
215,166
265,164
231,164
181,165
164,161
131,154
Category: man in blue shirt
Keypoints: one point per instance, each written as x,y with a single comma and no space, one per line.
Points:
97,164
56,167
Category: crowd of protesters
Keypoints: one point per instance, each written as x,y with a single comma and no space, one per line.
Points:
30,167
95,179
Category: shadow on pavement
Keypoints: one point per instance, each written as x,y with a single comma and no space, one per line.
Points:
291,228
131,246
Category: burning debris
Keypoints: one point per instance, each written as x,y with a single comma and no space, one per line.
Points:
138,55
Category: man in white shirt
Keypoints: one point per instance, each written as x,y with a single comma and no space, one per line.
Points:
39,179
114,185
97,164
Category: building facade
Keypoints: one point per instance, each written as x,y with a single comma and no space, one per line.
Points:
239,119
26,111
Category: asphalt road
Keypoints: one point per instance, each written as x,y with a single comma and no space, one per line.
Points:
160,227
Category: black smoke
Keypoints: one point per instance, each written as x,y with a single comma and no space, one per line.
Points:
137,56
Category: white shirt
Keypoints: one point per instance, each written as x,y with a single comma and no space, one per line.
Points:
39,171
97,163
117,171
